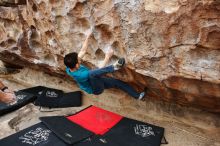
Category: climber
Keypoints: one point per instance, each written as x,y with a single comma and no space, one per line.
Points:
93,81
6,95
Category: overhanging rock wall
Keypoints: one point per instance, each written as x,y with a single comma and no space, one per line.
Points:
172,47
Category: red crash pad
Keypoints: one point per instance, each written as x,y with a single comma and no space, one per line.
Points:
96,119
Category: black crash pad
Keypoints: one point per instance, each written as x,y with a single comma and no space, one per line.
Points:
37,90
54,98
96,141
23,98
59,131
129,132
71,99
66,130
36,135
49,98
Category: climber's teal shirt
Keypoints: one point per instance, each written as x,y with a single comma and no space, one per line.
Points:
81,76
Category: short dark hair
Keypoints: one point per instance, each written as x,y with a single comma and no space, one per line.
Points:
71,59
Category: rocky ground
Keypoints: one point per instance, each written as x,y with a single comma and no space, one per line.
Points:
183,126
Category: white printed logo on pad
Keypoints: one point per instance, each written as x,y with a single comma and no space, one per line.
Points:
34,137
51,94
144,130
20,97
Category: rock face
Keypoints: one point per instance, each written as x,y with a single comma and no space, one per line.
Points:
172,47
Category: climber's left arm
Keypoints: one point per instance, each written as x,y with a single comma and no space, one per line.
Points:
83,50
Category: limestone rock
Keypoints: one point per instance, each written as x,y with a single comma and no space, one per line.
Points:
172,47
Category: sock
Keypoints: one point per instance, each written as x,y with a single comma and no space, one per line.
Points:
115,65
119,64
141,95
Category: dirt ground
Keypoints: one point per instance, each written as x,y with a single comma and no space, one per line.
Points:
183,126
